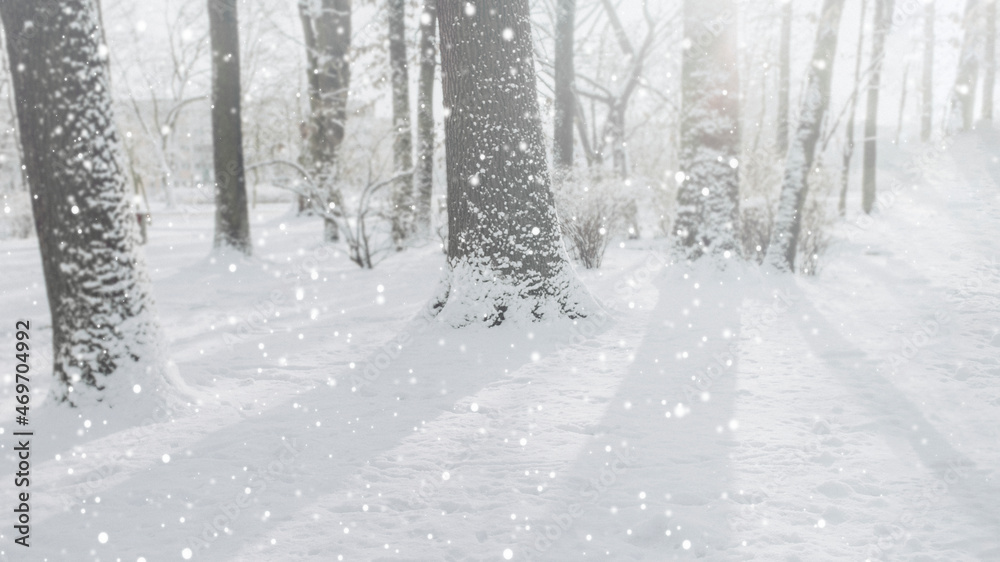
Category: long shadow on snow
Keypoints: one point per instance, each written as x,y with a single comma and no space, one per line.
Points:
648,449
354,428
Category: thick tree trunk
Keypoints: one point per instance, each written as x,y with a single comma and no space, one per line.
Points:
565,98
708,199
880,29
784,76
788,221
927,98
402,146
425,117
989,61
232,218
845,170
331,28
964,94
104,328
506,257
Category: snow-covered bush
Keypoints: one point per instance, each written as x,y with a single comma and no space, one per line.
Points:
590,213
817,219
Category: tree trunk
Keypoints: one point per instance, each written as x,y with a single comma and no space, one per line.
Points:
330,24
708,199
565,98
505,254
989,61
784,76
964,94
880,29
312,79
902,102
845,170
788,221
232,219
927,99
425,117
104,331
402,146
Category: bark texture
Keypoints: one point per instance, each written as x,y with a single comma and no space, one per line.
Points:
402,146
328,22
425,117
105,334
794,187
565,98
232,218
506,258
784,75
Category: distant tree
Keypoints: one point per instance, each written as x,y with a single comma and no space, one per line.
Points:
963,97
927,97
565,98
880,29
845,170
505,254
104,328
788,221
327,31
232,218
424,188
402,148
784,75
989,61
708,198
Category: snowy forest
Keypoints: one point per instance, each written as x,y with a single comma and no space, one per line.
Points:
457,280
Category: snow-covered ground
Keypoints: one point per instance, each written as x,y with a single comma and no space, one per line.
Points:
849,416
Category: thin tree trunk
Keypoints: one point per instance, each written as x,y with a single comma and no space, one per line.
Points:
784,76
927,99
989,61
964,94
708,199
105,335
504,248
845,170
425,117
402,146
794,188
565,98
902,101
232,218
881,23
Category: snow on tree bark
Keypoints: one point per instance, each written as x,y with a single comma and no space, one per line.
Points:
330,28
402,147
506,258
708,197
788,220
565,98
232,218
425,116
880,29
105,333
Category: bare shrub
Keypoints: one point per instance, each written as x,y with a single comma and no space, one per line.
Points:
589,215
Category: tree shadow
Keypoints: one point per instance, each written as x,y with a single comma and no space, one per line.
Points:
656,473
